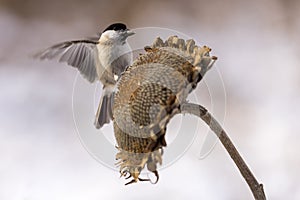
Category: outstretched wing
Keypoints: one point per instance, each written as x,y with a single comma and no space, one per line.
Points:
81,54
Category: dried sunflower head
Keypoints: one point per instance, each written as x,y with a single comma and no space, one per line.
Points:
149,93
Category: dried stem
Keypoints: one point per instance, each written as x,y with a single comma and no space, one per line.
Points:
200,111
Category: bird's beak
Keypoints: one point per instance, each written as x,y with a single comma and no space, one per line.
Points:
129,33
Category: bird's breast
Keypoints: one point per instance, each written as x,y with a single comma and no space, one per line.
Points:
113,59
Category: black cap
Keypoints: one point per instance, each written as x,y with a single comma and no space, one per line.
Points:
116,27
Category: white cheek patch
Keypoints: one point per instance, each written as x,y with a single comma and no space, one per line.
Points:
108,35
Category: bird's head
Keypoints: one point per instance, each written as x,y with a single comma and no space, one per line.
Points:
117,32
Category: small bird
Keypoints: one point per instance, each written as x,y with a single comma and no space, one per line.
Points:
102,59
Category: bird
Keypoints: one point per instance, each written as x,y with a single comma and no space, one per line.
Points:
97,59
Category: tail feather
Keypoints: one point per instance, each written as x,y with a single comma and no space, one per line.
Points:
104,112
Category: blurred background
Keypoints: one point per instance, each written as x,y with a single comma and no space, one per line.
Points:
258,46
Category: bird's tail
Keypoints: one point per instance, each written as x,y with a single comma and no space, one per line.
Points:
104,112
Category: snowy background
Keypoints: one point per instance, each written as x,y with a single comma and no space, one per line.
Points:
258,46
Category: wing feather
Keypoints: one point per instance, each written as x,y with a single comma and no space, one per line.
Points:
81,54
